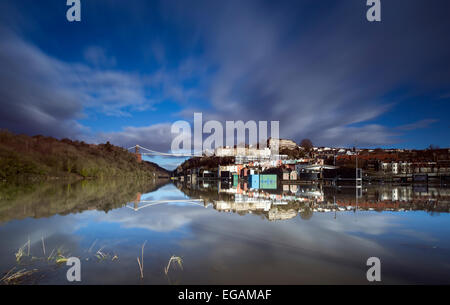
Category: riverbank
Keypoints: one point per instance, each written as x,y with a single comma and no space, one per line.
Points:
44,199
39,158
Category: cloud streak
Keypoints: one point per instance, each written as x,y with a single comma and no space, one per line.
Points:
318,77
45,95
325,74
418,125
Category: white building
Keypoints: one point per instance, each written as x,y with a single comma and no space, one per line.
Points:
276,144
241,151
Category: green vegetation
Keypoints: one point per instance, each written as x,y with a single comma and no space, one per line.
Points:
295,153
45,199
41,158
44,265
17,277
205,162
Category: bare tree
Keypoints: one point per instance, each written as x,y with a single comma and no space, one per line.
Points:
306,144
433,147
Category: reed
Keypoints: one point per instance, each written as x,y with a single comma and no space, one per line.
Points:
60,257
43,245
16,277
92,246
21,252
141,261
100,255
173,259
50,257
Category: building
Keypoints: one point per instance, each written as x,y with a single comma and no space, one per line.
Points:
225,151
293,175
405,167
277,144
251,152
278,214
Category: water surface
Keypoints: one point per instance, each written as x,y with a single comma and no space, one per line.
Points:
224,235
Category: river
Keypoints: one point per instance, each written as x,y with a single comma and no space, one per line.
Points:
220,234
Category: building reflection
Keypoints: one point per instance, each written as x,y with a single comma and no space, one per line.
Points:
288,201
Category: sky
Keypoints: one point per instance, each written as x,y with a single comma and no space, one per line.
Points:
130,69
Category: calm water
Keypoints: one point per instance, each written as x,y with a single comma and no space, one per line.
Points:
226,235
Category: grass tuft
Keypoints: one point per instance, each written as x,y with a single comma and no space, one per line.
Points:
173,259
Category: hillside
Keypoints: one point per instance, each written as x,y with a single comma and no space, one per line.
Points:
204,162
43,158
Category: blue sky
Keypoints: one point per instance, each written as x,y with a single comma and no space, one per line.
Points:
130,69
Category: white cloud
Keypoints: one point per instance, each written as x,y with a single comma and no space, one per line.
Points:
97,56
46,95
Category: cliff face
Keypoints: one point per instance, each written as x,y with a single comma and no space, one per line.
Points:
40,158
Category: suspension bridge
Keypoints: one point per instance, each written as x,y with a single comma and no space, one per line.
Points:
139,151
148,203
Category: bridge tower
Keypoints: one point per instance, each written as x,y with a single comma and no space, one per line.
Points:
138,155
136,202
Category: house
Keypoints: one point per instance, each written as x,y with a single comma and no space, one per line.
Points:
293,188
278,144
293,175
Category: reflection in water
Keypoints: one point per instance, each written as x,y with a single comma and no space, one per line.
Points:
288,201
212,229
48,199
